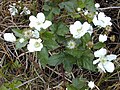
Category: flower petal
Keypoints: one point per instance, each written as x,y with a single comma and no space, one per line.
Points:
9,37
100,65
96,61
32,18
111,57
46,24
41,17
100,53
109,66
102,38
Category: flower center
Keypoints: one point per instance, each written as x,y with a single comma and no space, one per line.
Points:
103,60
37,44
78,30
39,23
28,33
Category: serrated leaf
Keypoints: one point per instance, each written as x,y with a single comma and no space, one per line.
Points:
46,7
56,59
68,62
79,83
43,56
90,5
86,61
56,10
86,38
69,6
75,52
62,29
49,40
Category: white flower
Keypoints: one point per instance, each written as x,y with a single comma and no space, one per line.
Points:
78,9
85,12
26,11
78,30
21,40
101,20
9,37
13,10
39,22
34,45
91,84
71,44
97,5
35,34
104,61
102,38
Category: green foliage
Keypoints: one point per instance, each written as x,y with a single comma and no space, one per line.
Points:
75,52
56,59
18,33
43,56
3,87
86,61
78,84
11,85
49,40
62,29
98,45
69,6
19,45
88,4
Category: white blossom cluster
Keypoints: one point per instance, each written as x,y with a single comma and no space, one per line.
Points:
36,23
13,9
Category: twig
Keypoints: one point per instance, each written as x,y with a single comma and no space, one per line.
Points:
59,74
113,7
26,82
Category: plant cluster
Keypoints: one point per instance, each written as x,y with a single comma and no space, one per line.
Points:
64,33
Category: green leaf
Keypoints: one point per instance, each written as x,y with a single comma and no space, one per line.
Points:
79,83
53,28
16,64
19,45
49,40
62,29
86,38
81,4
99,45
69,6
43,56
3,87
90,5
56,59
68,62
46,7
71,87
86,61
56,10
18,33
75,52
49,15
